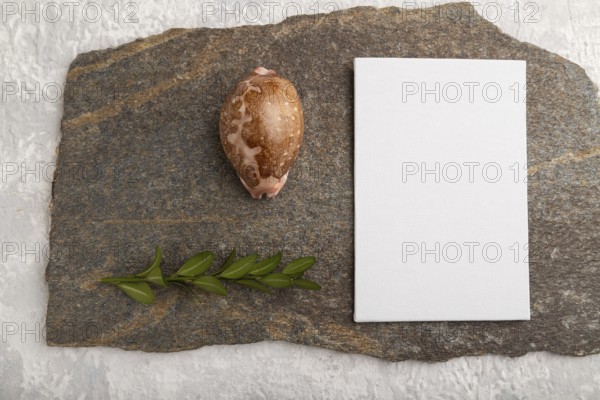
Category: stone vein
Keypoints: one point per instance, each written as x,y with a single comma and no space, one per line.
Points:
565,159
155,315
135,100
157,221
127,51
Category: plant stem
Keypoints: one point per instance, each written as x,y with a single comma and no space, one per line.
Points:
168,279
123,279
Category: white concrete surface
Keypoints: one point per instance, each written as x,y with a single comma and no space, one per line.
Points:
39,52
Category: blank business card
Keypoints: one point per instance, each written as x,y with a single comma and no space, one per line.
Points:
440,190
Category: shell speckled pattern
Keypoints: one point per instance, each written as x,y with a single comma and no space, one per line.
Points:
262,127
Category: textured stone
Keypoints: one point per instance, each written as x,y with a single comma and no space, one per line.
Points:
140,164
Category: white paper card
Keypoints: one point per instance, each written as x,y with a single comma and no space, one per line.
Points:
440,190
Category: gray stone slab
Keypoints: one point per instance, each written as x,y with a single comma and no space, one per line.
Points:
140,164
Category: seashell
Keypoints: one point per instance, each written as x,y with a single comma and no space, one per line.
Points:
261,130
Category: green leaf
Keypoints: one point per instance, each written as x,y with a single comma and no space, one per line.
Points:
230,259
306,284
139,291
153,273
196,265
156,277
155,262
252,284
277,280
267,265
299,265
239,268
210,284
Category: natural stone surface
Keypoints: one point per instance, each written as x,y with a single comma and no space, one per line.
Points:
140,164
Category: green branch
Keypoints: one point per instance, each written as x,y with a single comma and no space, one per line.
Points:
245,271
